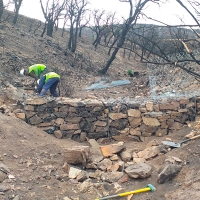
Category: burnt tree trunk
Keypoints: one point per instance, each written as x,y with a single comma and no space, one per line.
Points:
125,29
16,16
17,7
1,9
44,29
119,45
50,25
80,31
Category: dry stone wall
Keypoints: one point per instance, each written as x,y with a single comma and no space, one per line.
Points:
67,118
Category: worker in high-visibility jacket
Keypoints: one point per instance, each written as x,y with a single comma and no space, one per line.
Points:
34,71
48,81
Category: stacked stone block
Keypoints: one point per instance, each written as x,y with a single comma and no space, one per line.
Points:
68,118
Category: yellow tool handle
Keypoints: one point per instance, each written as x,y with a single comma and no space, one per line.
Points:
134,192
195,137
148,188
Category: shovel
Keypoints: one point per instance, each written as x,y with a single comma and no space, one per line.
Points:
176,145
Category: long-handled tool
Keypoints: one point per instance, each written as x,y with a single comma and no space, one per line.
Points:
149,187
176,145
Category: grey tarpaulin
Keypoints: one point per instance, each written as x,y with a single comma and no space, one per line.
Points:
103,84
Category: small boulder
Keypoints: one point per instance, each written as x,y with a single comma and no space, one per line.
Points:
168,172
74,172
76,155
139,170
126,155
82,176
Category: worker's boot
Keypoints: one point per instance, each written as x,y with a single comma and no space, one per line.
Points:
42,93
55,94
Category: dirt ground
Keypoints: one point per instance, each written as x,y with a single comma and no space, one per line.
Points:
35,161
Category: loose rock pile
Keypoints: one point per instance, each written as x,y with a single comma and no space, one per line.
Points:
94,166
115,164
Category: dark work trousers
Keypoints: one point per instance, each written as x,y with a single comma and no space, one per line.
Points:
50,84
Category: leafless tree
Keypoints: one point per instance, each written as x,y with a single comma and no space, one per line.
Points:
157,45
147,42
83,23
134,13
196,6
5,16
51,13
76,12
64,23
17,4
37,27
111,34
1,9
114,36
143,35
101,25
180,40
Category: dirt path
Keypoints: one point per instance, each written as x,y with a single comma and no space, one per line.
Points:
34,158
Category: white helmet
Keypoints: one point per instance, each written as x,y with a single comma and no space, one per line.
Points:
38,81
22,71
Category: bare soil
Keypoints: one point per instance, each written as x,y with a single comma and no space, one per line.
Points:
35,160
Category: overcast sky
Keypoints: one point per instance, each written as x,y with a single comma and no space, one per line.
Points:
168,13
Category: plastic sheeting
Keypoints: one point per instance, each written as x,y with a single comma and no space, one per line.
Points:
104,84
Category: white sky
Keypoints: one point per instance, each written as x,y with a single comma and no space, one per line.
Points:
167,13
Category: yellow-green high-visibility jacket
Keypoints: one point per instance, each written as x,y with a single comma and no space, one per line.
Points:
51,75
37,69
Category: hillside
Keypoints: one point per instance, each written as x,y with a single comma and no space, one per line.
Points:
21,47
33,163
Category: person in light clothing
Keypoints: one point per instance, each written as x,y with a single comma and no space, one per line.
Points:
34,71
48,81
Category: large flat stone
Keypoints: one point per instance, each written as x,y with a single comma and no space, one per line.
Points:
168,106
100,123
35,120
93,103
36,101
110,150
115,116
149,152
72,102
134,122
73,120
150,121
65,127
134,113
